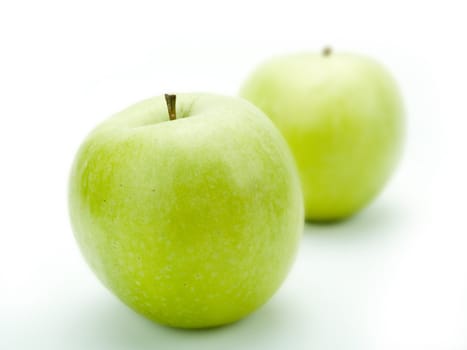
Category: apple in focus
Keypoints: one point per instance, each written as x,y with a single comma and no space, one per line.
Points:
342,116
192,220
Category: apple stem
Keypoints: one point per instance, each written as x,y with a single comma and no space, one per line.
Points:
170,100
327,51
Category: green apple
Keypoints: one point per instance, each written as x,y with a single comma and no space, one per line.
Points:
192,221
342,117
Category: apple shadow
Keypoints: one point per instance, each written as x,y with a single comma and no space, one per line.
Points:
108,324
105,323
379,219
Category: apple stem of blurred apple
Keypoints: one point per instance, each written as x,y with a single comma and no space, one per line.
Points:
327,51
170,100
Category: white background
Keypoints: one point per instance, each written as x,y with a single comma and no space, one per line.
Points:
393,277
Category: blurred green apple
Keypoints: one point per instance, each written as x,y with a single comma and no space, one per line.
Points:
192,222
342,117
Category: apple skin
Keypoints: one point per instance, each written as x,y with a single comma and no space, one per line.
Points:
343,119
192,222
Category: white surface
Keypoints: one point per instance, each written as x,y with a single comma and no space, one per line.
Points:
393,277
